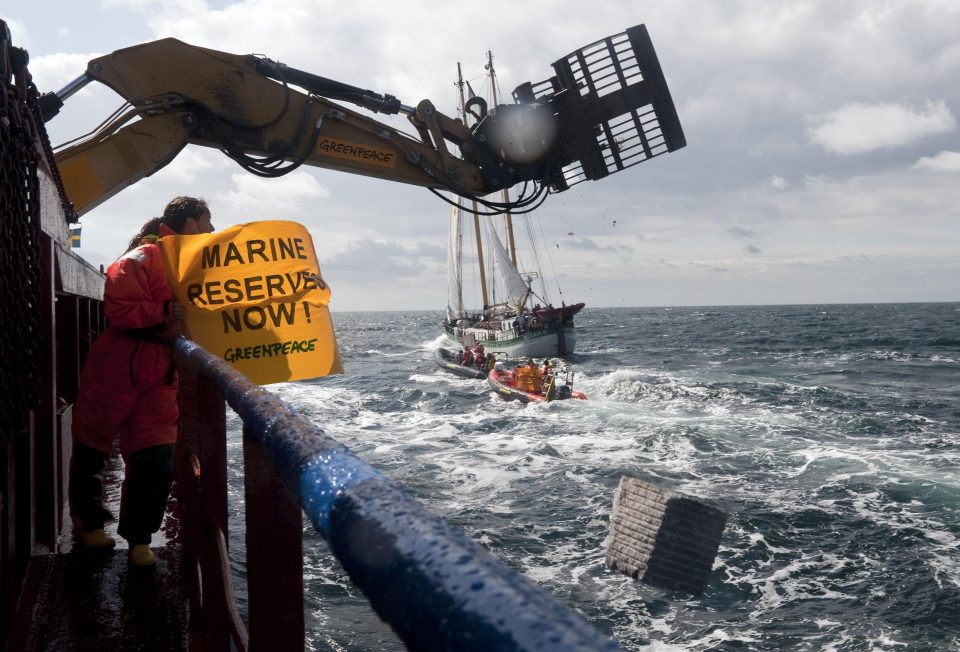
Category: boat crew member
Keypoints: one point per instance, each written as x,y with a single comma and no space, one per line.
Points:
546,373
521,377
466,359
128,390
535,374
480,360
522,322
528,377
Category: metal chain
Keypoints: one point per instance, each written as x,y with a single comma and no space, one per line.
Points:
20,315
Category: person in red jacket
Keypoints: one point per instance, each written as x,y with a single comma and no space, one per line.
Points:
128,390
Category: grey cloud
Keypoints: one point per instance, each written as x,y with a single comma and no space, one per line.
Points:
857,128
369,260
586,244
739,232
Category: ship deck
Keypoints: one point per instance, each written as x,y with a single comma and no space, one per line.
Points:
76,599
80,600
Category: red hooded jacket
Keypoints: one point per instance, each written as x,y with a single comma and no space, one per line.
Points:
128,387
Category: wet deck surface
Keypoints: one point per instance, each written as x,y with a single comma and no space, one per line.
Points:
80,600
94,601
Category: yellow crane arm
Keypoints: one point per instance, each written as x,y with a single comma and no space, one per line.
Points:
185,94
581,124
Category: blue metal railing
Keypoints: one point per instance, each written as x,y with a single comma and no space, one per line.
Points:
435,587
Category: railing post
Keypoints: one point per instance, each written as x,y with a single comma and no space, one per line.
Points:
202,468
274,537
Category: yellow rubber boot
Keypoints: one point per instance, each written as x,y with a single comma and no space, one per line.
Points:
96,539
141,556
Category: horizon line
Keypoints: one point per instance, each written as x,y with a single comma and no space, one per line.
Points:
717,305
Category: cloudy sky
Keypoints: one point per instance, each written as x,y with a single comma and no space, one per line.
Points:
822,165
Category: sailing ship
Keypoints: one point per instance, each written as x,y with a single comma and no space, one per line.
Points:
517,318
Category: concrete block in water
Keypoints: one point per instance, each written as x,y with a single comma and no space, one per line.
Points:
665,539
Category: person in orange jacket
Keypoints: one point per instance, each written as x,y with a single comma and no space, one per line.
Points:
536,377
128,390
528,377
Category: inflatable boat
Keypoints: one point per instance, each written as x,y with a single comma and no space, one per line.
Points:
560,386
450,360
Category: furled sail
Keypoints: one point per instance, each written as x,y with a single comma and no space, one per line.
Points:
455,265
516,287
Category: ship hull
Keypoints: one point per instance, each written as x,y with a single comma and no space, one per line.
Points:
539,333
506,344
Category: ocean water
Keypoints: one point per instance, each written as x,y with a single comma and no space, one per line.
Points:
829,433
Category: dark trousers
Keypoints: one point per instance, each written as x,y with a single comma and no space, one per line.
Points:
86,487
143,499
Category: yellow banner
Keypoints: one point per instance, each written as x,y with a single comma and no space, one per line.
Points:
254,296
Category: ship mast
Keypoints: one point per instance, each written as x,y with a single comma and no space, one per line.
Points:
506,195
476,217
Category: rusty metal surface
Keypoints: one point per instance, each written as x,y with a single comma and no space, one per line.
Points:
88,601
274,555
201,491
